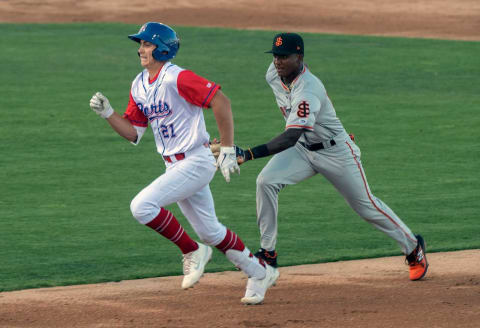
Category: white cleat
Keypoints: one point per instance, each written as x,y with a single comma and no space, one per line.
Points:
256,288
194,265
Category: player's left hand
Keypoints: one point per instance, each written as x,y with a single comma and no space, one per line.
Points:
227,162
100,105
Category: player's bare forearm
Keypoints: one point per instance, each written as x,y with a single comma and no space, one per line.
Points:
222,111
123,127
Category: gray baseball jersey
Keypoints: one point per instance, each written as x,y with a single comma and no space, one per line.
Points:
305,105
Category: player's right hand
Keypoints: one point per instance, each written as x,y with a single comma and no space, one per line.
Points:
227,162
100,105
240,153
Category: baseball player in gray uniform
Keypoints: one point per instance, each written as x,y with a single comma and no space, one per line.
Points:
315,142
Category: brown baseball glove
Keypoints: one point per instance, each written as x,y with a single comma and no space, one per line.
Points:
215,147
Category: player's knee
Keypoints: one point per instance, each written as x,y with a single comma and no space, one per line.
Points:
264,183
142,211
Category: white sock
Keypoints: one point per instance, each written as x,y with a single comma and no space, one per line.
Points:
246,262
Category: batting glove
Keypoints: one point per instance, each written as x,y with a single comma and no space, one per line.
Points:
227,162
100,105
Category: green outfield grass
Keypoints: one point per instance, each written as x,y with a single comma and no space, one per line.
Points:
67,179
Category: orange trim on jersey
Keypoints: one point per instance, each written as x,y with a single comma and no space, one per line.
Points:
295,80
299,126
370,197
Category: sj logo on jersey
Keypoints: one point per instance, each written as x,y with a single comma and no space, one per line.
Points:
162,109
303,109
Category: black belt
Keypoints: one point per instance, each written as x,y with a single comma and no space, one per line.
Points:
317,146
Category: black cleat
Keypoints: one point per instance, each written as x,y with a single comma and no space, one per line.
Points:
270,257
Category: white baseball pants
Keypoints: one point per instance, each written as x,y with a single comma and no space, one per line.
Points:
185,182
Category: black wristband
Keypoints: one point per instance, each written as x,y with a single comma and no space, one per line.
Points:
256,152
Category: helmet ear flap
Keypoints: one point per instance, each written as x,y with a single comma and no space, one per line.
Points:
161,53
158,55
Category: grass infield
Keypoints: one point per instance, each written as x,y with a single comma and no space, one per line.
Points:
67,179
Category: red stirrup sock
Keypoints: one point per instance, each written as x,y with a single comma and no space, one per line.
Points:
167,225
231,241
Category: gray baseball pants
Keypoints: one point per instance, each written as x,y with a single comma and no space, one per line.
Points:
339,164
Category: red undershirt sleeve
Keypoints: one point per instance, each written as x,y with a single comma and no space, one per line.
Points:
134,114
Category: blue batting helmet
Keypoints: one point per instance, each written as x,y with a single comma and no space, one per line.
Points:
160,35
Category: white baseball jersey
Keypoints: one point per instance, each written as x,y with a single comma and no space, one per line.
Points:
305,105
172,104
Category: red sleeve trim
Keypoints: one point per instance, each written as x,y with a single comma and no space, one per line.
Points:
210,96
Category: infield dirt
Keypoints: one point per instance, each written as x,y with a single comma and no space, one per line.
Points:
363,293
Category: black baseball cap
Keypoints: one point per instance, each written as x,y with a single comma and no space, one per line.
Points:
287,44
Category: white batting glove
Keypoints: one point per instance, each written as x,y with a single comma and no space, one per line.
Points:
100,105
227,162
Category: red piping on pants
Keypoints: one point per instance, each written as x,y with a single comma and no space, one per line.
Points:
369,197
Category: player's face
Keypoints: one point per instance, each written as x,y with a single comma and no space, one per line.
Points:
145,52
288,66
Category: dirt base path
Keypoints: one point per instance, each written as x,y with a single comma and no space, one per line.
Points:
367,293
446,19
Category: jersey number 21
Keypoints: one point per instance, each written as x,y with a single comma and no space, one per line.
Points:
167,131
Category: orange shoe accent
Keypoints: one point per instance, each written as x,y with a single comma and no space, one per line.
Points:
418,270
417,261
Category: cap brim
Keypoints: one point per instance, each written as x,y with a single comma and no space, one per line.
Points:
281,53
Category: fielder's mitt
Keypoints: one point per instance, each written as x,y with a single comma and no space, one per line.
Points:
215,147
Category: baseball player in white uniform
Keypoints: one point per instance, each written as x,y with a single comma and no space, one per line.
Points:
171,99
315,142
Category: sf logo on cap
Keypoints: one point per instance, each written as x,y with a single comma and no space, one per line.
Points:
279,41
